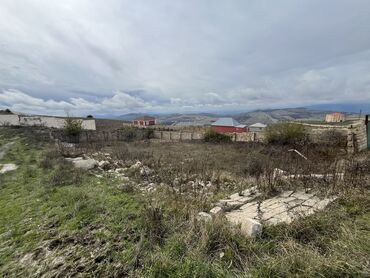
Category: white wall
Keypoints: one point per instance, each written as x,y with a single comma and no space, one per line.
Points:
9,120
53,122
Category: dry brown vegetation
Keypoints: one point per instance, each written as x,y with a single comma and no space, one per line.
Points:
89,226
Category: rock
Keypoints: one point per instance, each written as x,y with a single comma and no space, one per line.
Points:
248,226
145,171
278,173
105,165
71,159
176,182
120,170
216,211
124,179
8,167
203,216
86,164
137,165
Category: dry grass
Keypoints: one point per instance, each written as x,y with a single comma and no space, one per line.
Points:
99,229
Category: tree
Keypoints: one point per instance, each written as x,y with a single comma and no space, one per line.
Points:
72,127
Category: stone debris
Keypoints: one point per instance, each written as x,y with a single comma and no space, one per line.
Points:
237,200
248,226
80,162
216,211
137,165
244,210
203,216
145,171
278,173
7,168
103,163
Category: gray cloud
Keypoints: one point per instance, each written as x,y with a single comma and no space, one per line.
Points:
182,55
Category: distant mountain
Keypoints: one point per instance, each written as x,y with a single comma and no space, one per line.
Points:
343,107
274,115
267,116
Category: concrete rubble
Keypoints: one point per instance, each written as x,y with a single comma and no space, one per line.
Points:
103,164
251,214
80,162
203,216
4,168
281,174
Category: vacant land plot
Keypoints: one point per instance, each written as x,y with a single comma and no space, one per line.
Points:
58,221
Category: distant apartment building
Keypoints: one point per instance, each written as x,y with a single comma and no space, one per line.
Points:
228,125
335,117
144,121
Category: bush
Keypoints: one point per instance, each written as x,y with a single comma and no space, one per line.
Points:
333,137
72,127
285,133
131,133
216,137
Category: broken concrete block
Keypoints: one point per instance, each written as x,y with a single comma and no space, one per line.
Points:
203,216
7,168
248,226
216,211
86,164
286,193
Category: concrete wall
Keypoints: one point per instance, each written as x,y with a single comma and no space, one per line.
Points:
357,137
355,134
177,135
52,122
249,137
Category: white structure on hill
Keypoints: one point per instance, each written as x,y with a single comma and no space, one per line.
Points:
10,119
257,127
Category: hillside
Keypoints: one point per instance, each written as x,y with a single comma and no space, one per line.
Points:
261,116
287,114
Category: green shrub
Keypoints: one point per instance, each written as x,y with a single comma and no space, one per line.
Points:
72,127
216,137
285,133
333,137
131,133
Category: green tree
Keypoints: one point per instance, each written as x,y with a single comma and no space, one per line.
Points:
72,126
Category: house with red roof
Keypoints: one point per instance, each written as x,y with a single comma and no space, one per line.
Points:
144,121
228,125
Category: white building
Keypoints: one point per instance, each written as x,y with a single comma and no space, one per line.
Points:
257,127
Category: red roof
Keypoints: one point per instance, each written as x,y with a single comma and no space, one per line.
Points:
145,118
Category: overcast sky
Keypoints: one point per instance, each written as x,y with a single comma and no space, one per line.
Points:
118,56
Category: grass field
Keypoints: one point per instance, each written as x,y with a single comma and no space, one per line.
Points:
56,221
